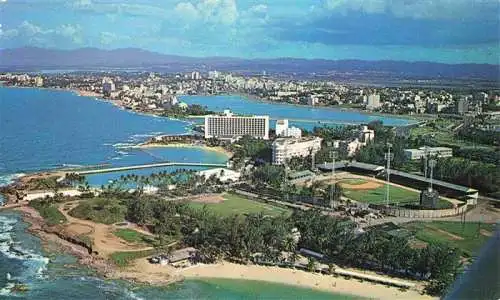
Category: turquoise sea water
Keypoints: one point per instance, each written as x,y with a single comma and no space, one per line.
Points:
46,129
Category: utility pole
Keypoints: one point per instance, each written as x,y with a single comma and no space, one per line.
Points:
388,171
333,155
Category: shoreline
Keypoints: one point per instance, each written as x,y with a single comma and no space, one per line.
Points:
245,96
140,271
217,149
299,278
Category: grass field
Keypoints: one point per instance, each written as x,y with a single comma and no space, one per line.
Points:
468,237
50,213
377,195
100,210
122,259
397,194
235,204
133,236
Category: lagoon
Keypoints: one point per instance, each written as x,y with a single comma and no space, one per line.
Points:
318,115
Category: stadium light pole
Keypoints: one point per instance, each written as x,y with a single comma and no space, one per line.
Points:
432,164
333,155
426,157
388,171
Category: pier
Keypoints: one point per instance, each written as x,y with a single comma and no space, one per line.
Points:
148,166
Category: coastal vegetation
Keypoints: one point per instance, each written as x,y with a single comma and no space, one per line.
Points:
101,210
48,210
177,111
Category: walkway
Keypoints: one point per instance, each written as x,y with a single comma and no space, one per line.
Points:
147,166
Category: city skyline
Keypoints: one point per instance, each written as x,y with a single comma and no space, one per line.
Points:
438,31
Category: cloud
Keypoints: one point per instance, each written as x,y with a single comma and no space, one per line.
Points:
130,9
418,9
223,12
32,34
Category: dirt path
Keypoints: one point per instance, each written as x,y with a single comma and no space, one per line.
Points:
104,241
370,185
449,234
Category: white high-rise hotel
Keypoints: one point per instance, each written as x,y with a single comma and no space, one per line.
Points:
229,126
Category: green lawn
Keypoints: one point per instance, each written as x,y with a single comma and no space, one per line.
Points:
377,195
100,210
468,237
133,236
397,194
50,213
235,204
122,259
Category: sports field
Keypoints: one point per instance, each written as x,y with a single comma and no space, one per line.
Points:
231,204
373,192
468,237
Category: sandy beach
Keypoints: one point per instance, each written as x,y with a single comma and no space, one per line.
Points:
181,145
300,278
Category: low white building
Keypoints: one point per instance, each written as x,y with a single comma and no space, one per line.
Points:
282,129
286,148
223,174
415,154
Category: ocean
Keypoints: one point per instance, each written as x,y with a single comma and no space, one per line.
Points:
44,129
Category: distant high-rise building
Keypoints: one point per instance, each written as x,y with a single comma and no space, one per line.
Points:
373,101
230,126
39,81
312,100
195,75
108,86
213,75
462,105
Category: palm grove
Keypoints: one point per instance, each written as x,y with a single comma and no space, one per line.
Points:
258,238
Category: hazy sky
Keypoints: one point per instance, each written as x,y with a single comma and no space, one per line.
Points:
433,30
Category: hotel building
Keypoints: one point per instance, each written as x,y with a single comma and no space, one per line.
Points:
415,154
230,126
286,148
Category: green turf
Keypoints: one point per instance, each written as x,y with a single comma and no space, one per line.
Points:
235,204
133,236
377,195
471,237
122,259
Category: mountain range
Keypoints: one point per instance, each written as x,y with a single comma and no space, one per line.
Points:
35,59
